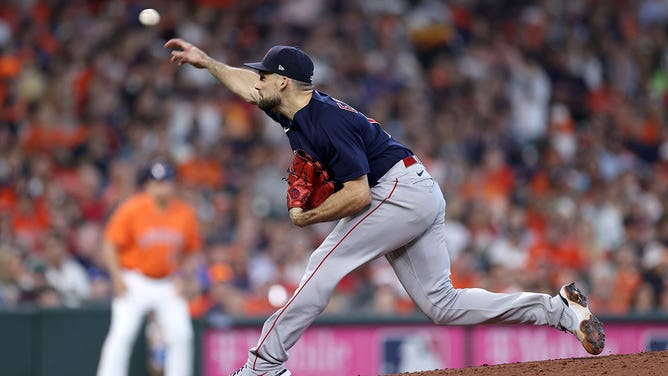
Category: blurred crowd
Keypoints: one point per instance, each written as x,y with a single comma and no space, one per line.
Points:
543,121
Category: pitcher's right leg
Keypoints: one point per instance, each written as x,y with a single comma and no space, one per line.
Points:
423,267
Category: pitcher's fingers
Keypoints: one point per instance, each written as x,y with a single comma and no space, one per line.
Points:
178,55
170,43
177,59
176,42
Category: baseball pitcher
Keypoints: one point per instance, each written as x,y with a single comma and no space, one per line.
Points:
387,205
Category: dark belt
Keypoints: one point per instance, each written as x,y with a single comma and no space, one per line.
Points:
411,160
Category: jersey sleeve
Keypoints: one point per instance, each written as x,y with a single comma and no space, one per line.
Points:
348,159
118,229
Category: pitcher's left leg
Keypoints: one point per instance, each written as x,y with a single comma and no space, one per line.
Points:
388,223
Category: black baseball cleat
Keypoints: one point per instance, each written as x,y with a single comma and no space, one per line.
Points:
588,329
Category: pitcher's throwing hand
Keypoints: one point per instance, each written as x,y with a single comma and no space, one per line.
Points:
185,53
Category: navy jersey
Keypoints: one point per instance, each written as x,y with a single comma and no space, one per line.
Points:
348,143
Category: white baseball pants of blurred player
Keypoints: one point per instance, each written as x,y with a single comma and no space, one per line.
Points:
127,313
404,223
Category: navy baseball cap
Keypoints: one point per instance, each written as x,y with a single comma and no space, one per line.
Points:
160,171
287,61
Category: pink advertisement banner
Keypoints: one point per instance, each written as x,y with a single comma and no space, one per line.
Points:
508,344
346,350
377,350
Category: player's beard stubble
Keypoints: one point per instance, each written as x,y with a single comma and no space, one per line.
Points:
269,104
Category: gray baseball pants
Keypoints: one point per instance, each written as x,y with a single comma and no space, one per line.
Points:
404,223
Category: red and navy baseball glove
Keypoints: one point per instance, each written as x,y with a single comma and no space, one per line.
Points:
308,182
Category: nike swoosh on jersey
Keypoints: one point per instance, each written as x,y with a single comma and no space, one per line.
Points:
420,173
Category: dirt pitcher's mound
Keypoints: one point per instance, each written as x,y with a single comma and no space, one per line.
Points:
645,364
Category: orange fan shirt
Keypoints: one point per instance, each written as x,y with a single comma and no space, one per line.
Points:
150,239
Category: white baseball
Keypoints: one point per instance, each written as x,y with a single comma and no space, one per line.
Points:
149,17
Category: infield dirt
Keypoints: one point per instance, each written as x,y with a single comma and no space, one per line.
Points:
641,364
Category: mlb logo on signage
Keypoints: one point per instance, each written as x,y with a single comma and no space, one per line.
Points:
410,352
657,343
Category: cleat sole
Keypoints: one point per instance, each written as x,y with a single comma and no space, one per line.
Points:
591,335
